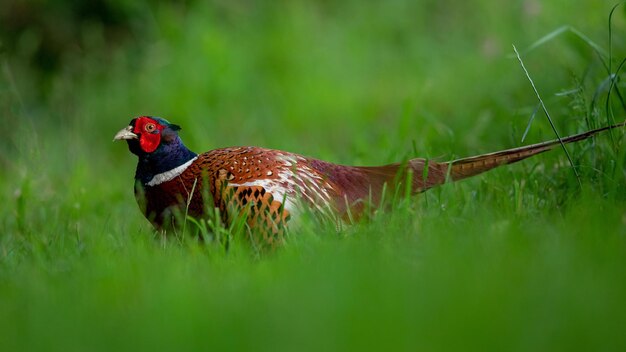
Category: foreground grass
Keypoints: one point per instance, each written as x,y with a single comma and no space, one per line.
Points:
522,258
462,279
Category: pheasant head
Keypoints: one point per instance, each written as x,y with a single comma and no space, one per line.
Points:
156,143
145,134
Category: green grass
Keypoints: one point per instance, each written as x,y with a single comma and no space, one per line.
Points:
521,258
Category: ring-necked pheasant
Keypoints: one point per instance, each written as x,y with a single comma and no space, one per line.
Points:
270,186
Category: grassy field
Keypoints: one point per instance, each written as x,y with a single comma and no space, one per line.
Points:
522,258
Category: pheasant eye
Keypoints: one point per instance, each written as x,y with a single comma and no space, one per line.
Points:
150,127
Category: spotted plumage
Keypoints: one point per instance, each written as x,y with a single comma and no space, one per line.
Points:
270,187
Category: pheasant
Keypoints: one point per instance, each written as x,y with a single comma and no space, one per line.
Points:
271,186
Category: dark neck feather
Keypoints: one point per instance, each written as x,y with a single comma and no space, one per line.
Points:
167,157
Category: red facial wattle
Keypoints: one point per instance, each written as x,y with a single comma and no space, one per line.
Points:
149,132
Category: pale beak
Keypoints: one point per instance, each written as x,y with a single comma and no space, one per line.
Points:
125,133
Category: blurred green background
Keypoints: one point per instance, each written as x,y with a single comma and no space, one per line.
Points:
522,258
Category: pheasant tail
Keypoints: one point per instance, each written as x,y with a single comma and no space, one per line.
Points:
467,167
427,174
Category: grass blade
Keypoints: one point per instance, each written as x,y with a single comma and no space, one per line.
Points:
545,110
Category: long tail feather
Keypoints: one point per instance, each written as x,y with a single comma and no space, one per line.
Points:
467,167
362,183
